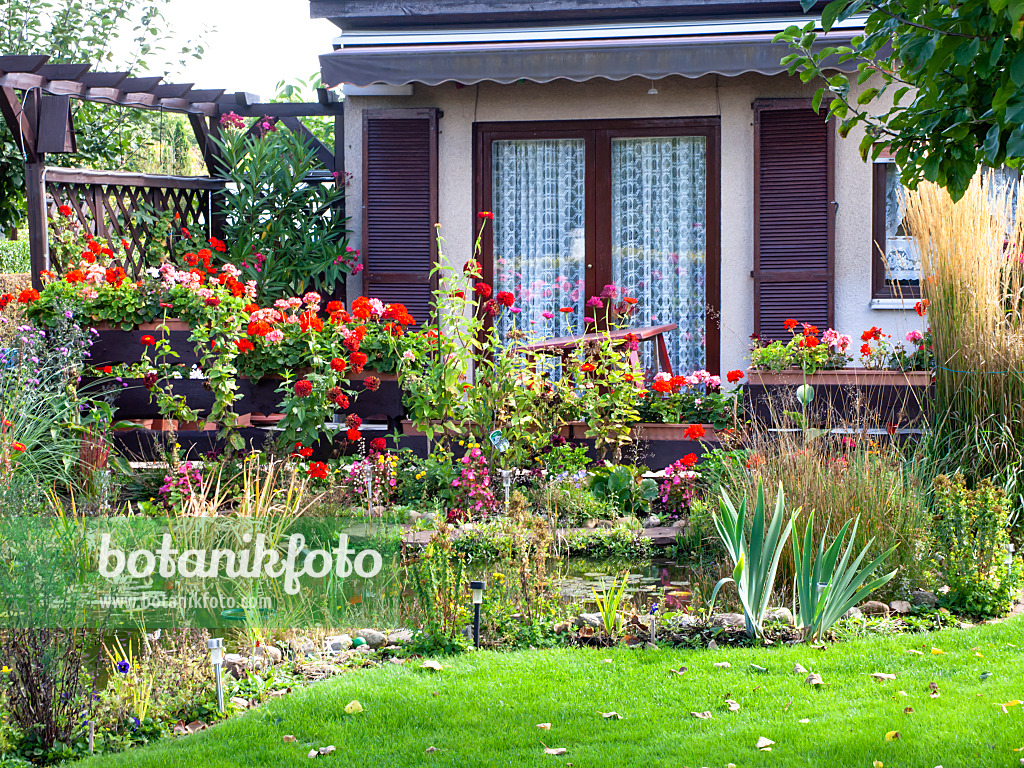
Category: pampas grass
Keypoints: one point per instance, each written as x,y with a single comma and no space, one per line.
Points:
972,254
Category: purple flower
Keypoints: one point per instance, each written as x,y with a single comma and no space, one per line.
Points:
589,320
547,315
609,292
594,301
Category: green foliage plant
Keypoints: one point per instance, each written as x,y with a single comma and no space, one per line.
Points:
826,587
624,487
610,605
757,561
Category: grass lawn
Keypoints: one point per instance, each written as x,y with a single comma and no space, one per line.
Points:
482,710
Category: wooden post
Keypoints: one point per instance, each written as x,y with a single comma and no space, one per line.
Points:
38,235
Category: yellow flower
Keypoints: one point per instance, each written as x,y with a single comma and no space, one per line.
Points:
5,670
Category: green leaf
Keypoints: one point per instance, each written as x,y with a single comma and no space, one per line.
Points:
1017,70
830,12
867,95
1015,143
991,144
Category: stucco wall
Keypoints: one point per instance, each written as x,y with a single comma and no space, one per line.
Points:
730,98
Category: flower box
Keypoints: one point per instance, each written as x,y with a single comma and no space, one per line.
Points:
386,403
113,346
881,397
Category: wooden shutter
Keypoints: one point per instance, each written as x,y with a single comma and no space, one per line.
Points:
400,206
793,217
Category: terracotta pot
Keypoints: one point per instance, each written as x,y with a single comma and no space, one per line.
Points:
265,420
677,432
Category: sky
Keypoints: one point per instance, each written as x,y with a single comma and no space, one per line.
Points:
250,44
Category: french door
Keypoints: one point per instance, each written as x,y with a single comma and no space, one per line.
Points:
585,209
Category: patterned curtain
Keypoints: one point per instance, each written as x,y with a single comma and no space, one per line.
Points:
539,245
658,239
902,258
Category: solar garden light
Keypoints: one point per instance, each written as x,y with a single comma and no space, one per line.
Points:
506,481
478,588
216,646
1008,562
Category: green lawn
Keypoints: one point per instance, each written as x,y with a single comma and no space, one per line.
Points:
482,710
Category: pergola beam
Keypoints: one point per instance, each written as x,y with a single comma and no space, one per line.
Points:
20,63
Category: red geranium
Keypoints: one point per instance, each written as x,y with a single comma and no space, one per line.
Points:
303,388
301,452
872,333
734,376
334,306
865,349
28,296
689,460
218,245
259,328
809,341
922,307
308,321
694,432
810,330
361,309
353,435
378,444
317,470
244,345
5,299
108,369
790,324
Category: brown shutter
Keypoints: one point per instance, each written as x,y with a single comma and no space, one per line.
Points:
400,206
793,210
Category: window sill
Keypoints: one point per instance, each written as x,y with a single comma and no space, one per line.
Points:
906,304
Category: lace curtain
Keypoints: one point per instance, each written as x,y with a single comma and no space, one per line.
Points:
658,239
539,241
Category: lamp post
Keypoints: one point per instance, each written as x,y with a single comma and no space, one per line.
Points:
216,646
478,588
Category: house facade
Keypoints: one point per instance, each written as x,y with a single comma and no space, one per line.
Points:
656,147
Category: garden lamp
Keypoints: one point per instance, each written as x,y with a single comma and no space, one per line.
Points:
1008,562
478,588
216,646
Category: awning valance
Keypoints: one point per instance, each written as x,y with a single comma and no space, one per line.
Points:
543,61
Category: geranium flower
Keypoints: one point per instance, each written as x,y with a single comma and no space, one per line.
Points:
317,470
64,210
108,369
689,460
148,341
361,309
244,345
872,333
28,296
914,337
810,342
921,307
303,388
865,349
810,330
378,444
734,376
353,435
302,452
334,306
694,432
790,324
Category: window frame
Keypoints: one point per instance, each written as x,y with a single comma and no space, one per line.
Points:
598,136
880,287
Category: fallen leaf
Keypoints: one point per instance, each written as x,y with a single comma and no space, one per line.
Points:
821,647
353,707
814,679
326,750
908,710
764,743
1003,708
723,664
554,750
901,693
805,721
986,675
544,726
757,668
702,715
934,688
883,676
680,671
978,655
610,715
938,652
313,753
287,738
798,669
607,661
733,705
428,750
431,664
914,651
892,735
877,764
398,661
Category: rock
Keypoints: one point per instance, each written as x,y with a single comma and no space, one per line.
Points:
561,628
608,523
902,607
680,524
365,650
373,638
378,511
239,702
467,527
302,646
269,652
684,620
853,613
783,615
590,523
875,608
732,620
625,521
337,643
400,637
652,522
590,620
235,664
924,597
429,517
414,516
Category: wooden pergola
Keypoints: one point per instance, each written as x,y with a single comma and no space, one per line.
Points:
35,100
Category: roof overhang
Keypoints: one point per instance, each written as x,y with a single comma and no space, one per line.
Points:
612,53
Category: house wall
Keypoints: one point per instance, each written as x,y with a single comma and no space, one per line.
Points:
711,95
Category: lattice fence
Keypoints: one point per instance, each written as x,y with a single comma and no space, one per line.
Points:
104,202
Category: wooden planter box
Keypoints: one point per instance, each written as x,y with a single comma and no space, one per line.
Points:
112,346
385,404
857,394
134,402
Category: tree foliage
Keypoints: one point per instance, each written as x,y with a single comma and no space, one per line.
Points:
954,71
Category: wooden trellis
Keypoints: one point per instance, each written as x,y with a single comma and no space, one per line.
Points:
103,204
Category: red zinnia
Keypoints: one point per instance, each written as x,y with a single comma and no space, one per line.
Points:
303,388
213,301
372,383
506,298
694,432
485,215
378,444
353,421
357,361
317,470
483,289
472,268
338,365
734,376
565,310
587,367
148,341
353,435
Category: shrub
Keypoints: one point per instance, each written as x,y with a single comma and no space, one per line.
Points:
970,531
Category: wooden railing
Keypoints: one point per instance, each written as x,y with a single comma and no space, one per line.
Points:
103,203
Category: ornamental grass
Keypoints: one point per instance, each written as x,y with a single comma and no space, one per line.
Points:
972,255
